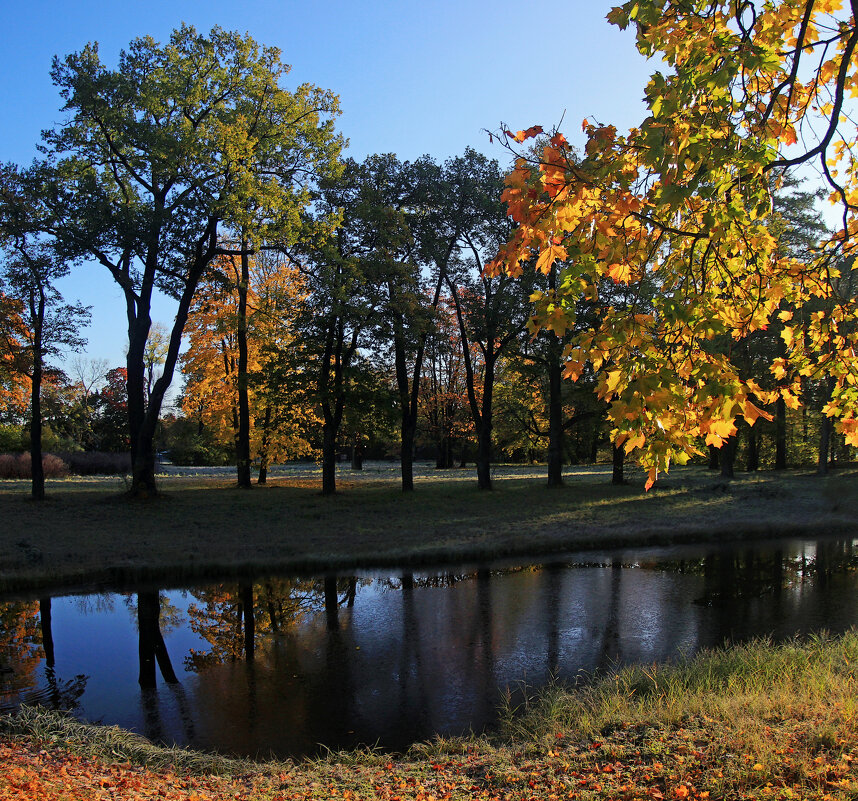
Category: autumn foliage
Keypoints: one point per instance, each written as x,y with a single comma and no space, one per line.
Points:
280,413
14,380
677,210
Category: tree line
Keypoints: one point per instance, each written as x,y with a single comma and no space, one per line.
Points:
689,291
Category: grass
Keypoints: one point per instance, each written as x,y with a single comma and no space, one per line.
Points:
87,531
756,721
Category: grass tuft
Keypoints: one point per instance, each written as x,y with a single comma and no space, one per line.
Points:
114,744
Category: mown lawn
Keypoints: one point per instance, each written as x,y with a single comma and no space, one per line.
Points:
756,721
87,530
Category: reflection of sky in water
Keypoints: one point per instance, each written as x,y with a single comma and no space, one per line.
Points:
406,663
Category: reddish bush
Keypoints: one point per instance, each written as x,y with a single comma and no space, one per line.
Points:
19,465
8,465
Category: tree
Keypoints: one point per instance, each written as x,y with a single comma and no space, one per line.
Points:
31,270
343,300
278,410
491,308
110,426
395,196
159,156
87,375
683,200
14,385
443,398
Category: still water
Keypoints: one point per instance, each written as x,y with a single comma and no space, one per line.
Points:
280,665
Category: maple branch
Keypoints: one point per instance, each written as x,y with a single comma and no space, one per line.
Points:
820,149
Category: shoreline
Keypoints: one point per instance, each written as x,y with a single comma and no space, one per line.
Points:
749,721
87,534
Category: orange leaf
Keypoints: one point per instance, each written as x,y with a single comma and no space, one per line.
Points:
751,413
621,272
534,130
652,475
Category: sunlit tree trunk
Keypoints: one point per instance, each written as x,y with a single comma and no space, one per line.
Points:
618,456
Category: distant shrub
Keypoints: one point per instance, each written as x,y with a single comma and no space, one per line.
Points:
11,439
97,463
8,465
20,466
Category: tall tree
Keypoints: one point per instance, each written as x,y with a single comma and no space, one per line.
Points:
491,308
159,156
395,196
341,272
278,410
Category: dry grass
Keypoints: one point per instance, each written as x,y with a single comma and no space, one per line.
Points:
204,526
757,721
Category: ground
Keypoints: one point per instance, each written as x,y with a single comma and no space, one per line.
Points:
204,526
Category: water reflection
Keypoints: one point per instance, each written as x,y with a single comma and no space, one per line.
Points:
280,665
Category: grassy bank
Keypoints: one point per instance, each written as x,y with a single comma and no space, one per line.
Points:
749,722
87,530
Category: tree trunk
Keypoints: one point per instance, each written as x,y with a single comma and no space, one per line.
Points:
753,449
780,435
713,458
264,446
618,457
555,417
329,459
242,449
36,466
406,456
483,423
143,417
726,457
142,471
484,453
825,428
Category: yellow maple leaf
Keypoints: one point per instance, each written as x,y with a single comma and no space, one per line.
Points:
549,256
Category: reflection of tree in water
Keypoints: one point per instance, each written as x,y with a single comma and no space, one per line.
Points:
444,580
24,627
733,575
170,617
95,603
20,648
232,618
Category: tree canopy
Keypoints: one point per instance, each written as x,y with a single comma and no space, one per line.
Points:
683,202
180,143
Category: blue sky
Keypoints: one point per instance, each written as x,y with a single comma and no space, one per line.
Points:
413,78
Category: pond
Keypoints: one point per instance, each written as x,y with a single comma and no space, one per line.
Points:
279,665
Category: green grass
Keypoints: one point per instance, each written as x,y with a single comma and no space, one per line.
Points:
755,721
87,530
